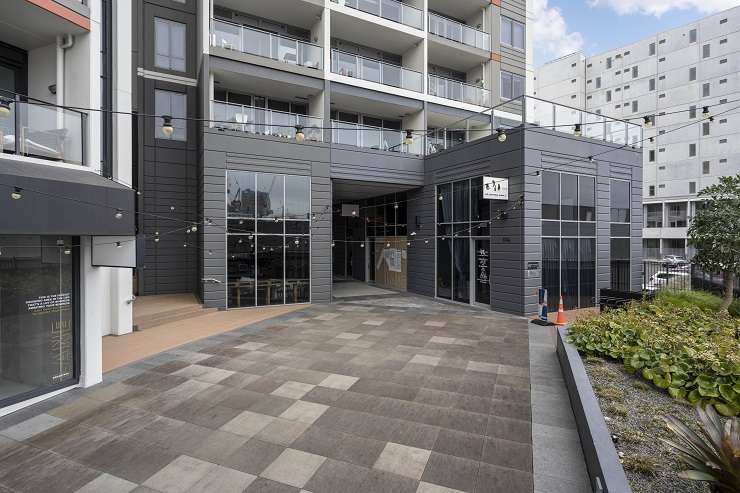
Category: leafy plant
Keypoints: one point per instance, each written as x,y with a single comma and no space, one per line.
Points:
715,233
690,353
695,298
713,454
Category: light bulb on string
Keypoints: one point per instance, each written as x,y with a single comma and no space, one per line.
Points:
167,128
4,107
17,193
299,135
501,135
118,244
409,139
118,214
577,130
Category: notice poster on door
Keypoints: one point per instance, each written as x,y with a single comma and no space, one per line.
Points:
482,272
481,259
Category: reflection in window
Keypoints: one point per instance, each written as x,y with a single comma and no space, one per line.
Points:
173,104
620,201
169,44
620,241
550,195
569,197
269,265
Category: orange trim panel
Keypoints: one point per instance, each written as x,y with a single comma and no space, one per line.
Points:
63,12
496,2
496,57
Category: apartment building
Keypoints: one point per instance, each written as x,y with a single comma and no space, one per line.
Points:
669,77
317,141
67,227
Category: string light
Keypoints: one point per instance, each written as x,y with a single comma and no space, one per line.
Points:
299,135
194,228
17,193
172,207
167,127
67,250
409,139
501,135
118,214
705,112
648,120
362,245
577,130
210,252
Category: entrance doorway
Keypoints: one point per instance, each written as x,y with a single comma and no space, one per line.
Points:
463,270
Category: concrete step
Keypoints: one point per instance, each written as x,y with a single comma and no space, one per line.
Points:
161,318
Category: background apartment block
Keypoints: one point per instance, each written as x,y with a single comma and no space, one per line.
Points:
671,75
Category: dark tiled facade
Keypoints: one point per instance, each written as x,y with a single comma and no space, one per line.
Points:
345,397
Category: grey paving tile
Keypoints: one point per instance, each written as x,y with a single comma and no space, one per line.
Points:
223,480
337,477
179,475
493,479
253,457
108,484
384,481
262,485
30,427
451,472
293,467
505,453
459,444
403,460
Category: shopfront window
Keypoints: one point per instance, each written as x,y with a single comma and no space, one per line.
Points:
268,247
619,243
37,316
569,239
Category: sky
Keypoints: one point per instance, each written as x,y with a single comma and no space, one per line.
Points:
560,27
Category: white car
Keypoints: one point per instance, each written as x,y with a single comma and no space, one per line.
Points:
675,261
670,280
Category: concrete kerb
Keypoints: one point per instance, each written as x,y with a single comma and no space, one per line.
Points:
604,469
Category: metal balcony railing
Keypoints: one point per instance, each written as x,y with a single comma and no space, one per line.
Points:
458,91
371,137
456,31
388,9
261,43
42,130
261,121
372,70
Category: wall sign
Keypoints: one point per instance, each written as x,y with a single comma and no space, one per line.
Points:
495,188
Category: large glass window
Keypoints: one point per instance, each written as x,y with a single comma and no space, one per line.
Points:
512,33
512,85
268,255
173,104
620,235
37,321
169,44
569,239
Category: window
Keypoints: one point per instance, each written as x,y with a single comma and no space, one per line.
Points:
569,243
692,187
268,240
169,44
651,85
692,73
676,214
609,62
651,191
651,50
705,168
723,81
692,150
705,128
692,111
723,41
598,82
723,141
706,51
634,71
512,33
661,42
705,90
634,106
620,234
512,85
608,96
651,155
723,21
38,325
692,36
653,214
723,61
173,104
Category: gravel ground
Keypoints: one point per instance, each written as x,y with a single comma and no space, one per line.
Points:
634,409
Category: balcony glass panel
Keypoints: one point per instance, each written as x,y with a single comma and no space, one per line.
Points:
447,28
458,91
261,121
255,42
387,9
44,131
371,137
372,70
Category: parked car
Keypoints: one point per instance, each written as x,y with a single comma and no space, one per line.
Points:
675,261
670,280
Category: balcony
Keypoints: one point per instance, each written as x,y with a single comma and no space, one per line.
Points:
388,9
456,31
371,137
372,70
458,91
237,37
44,131
261,121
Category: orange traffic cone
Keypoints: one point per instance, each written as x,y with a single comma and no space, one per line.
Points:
560,320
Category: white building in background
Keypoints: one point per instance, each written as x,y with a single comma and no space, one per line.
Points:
65,193
672,75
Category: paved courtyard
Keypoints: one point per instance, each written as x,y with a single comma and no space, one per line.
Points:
351,397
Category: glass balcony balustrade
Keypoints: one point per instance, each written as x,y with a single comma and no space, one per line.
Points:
371,70
261,121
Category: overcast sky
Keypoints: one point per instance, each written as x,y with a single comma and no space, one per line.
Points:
564,26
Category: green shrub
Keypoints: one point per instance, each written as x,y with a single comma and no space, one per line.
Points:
703,300
688,351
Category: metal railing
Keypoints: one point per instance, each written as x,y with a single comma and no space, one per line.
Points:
261,43
456,31
261,121
371,137
388,9
43,130
458,91
369,69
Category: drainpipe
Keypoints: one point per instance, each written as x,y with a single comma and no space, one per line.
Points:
64,42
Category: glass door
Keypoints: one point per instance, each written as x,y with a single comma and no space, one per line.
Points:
481,281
